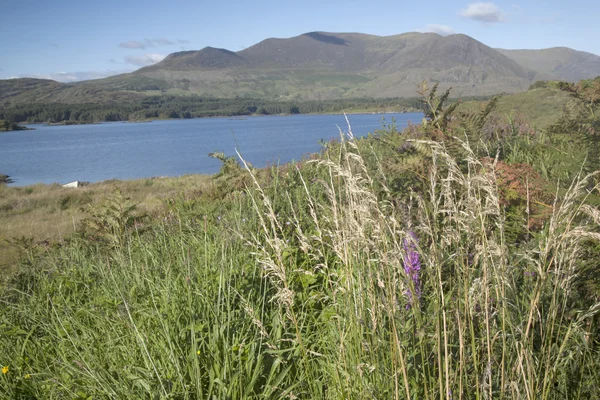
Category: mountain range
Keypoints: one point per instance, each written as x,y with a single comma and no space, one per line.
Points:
321,65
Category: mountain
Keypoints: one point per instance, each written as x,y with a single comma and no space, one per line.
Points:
558,62
31,90
322,65
328,65
208,57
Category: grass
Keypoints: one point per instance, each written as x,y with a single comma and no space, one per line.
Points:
49,213
541,107
360,273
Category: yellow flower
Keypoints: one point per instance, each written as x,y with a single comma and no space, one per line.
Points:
27,376
198,352
5,369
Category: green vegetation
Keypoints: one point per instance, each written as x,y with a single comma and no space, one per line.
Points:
44,214
325,65
455,259
30,90
6,126
541,106
561,62
161,107
320,66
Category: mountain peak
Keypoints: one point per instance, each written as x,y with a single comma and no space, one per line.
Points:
355,64
326,38
206,58
325,65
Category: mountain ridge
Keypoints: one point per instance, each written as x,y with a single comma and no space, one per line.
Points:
325,65
561,62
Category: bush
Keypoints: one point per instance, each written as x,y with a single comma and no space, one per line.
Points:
320,280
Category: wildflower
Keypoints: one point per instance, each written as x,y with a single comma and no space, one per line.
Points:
5,370
412,268
27,376
198,352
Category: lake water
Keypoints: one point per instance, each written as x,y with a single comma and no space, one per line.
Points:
123,150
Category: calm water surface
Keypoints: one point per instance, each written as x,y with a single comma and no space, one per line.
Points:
122,150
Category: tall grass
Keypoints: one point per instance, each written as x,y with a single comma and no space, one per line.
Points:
51,213
317,284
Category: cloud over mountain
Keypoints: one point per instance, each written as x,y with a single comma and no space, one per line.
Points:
146,59
146,43
483,12
443,30
68,77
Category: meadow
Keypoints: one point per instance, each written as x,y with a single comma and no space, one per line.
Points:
454,259
43,214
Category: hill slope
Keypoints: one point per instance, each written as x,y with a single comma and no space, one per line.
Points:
31,90
558,62
539,107
322,65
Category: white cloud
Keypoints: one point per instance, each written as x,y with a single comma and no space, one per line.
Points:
443,30
133,44
146,59
68,77
483,12
146,43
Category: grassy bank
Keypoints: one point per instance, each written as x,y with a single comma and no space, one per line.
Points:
6,126
43,214
444,261
541,107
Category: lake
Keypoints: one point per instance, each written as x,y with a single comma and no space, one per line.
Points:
124,150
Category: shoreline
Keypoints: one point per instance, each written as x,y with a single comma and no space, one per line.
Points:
11,183
235,117
58,178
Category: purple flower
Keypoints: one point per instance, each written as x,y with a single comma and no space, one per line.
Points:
412,267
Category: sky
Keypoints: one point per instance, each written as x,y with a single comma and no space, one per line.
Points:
68,40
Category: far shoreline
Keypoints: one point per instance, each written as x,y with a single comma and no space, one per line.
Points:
240,117
111,181
203,165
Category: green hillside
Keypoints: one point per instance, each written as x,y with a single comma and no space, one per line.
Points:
540,107
458,258
323,66
559,62
30,90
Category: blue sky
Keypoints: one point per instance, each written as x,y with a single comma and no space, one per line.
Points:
72,40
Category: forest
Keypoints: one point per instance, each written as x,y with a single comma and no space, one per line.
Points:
163,107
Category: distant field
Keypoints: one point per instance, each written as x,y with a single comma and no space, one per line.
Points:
51,212
540,107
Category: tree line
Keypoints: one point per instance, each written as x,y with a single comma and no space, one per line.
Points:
163,107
